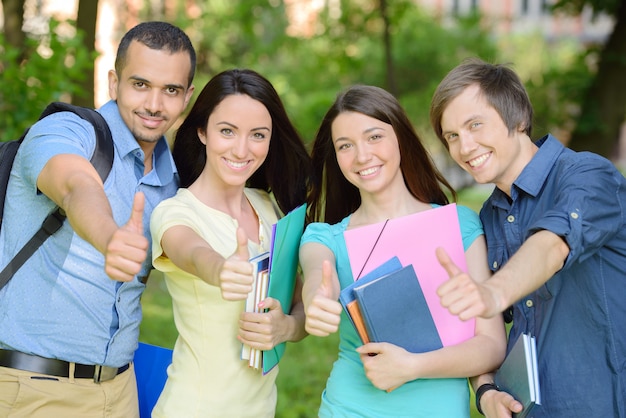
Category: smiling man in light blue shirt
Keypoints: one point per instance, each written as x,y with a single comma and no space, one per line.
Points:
69,318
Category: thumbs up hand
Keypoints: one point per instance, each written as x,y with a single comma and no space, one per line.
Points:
128,247
323,313
236,273
462,295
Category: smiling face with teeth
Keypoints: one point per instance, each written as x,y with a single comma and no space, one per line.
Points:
480,142
367,152
237,139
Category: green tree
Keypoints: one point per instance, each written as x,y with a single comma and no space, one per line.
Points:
603,104
49,71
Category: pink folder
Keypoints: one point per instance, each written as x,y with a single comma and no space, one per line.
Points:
413,239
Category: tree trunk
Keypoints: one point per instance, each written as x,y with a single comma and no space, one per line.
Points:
13,21
391,79
604,106
86,22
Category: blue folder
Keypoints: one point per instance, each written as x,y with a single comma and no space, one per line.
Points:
151,364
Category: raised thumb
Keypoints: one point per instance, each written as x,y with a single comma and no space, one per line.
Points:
242,245
327,285
447,263
136,215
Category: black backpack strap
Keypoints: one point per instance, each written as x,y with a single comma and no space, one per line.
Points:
102,160
7,155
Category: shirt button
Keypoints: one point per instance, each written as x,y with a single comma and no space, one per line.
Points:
529,303
495,264
574,215
510,218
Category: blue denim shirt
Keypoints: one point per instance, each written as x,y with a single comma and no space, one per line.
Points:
579,315
61,304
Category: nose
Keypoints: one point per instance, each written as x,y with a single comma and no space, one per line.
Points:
240,147
153,101
467,143
362,153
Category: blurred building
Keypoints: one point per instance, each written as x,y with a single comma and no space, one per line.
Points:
519,16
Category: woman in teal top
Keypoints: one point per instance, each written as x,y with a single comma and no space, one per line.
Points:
371,166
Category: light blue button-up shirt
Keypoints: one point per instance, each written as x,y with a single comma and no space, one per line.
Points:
61,304
579,315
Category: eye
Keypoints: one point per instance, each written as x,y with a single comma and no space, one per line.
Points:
226,132
450,137
475,125
172,91
375,137
140,85
259,136
344,146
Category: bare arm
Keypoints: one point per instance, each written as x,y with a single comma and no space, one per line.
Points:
72,183
544,251
191,253
263,331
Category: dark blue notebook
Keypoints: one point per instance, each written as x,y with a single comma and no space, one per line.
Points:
394,310
519,376
346,297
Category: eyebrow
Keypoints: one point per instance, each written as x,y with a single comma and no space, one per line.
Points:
465,122
366,131
167,86
260,128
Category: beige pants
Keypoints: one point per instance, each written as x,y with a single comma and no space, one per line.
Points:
30,395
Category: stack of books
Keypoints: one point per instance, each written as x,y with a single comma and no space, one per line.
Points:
396,300
392,308
275,276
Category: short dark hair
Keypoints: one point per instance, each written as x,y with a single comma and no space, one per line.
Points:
498,83
286,170
159,36
332,197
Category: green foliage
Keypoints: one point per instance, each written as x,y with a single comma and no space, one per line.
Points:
53,64
575,7
555,75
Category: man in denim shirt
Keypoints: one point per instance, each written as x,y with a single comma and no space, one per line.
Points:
557,245
69,318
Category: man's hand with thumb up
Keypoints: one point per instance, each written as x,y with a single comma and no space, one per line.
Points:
128,247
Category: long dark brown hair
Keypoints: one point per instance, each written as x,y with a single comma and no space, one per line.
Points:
332,197
286,170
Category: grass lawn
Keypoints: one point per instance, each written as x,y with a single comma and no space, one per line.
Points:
305,366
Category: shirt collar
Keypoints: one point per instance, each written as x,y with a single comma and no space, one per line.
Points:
534,175
126,144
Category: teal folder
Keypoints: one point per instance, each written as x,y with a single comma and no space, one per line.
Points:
283,268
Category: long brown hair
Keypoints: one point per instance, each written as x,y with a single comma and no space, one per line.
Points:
287,168
332,197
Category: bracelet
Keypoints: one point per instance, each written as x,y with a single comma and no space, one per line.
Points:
481,391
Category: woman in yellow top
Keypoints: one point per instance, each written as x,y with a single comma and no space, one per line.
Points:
235,147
